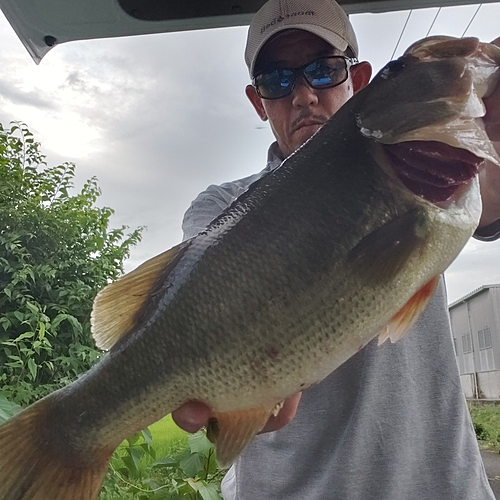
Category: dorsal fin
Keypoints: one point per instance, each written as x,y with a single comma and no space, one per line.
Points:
116,306
405,318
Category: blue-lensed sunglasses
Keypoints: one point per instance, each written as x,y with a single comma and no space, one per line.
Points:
322,73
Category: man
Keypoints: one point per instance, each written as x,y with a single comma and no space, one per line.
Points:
391,423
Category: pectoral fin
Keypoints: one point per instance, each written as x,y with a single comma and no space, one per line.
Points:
231,432
117,306
403,320
380,255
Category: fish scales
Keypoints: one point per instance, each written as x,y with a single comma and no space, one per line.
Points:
309,265
286,264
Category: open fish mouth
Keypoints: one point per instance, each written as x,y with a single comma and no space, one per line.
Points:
432,170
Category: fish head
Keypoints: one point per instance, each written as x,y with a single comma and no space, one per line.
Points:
425,109
434,92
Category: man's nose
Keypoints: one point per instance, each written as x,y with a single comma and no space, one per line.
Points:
303,95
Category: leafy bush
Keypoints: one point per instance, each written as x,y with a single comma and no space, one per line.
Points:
56,252
137,473
7,409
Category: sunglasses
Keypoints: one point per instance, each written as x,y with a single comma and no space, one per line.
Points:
322,73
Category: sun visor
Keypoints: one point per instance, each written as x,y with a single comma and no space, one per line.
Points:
43,24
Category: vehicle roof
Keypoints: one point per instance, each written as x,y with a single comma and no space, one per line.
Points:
43,24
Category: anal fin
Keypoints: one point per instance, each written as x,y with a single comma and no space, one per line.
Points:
231,432
405,318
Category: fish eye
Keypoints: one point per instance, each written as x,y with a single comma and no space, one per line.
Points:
392,68
396,66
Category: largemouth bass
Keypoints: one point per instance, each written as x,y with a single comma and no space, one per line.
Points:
343,242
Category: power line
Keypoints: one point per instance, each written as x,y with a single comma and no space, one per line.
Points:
433,21
472,19
401,35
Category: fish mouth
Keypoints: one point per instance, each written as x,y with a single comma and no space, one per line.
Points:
433,170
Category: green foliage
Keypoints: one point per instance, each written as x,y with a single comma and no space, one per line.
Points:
56,252
481,433
136,472
7,409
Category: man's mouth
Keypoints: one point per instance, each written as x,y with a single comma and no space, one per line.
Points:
309,123
432,170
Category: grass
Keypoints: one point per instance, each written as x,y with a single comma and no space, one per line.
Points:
486,420
168,438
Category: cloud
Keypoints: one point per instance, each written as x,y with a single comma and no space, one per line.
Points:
477,265
13,95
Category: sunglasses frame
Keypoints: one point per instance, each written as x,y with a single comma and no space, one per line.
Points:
299,72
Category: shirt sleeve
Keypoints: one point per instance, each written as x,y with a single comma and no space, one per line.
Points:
210,203
490,232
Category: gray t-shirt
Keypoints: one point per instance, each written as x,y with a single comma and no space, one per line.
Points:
389,424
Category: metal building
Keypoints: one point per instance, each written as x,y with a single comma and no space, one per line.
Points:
475,323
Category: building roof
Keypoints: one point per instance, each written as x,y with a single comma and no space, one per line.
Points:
477,291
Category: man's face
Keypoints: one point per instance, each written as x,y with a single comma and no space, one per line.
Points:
295,118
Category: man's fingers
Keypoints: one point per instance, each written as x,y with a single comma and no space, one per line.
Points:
285,415
191,416
492,103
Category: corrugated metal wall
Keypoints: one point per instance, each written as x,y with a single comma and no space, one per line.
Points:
476,331
462,338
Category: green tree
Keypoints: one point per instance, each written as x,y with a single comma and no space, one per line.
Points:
56,252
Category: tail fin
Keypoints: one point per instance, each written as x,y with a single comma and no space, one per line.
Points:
31,468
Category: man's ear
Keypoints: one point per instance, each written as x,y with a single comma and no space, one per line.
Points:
256,102
360,75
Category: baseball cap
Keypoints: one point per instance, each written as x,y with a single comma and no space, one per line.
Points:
324,18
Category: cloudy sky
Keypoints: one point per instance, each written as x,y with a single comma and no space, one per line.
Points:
158,118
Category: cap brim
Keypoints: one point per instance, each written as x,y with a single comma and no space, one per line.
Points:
333,39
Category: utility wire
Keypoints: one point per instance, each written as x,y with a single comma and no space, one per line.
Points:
401,35
472,19
433,21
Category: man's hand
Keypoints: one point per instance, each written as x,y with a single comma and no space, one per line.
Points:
490,175
193,415
492,103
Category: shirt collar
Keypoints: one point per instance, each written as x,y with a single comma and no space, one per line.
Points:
274,157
